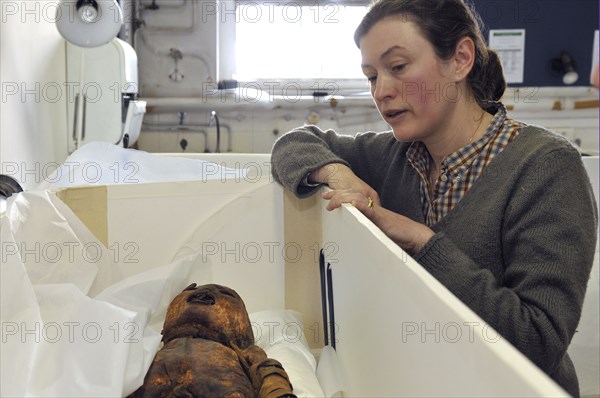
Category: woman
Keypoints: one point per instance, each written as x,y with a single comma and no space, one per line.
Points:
500,212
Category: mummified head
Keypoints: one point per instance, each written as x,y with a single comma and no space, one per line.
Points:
211,312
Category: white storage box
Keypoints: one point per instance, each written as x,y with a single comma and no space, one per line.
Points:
398,331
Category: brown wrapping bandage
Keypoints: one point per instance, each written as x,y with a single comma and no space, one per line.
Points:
191,367
272,379
267,375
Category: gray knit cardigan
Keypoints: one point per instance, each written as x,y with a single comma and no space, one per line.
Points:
517,249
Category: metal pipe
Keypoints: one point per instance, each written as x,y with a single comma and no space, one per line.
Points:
213,116
261,101
172,29
179,129
167,53
220,101
174,127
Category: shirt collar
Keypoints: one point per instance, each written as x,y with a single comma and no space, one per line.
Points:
457,162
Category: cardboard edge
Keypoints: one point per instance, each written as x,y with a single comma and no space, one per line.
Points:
90,205
302,231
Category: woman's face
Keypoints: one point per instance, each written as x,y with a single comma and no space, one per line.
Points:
411,86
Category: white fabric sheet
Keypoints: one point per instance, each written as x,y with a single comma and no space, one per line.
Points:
58,339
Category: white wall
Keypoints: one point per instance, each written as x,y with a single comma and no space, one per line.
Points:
32,68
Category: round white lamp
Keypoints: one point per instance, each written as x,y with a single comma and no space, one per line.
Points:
89,23
570,77
565,64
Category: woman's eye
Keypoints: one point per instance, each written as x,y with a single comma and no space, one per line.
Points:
398,68
372,79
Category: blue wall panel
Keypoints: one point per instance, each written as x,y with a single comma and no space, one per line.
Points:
552,26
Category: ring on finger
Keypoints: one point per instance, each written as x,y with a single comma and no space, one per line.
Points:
370,203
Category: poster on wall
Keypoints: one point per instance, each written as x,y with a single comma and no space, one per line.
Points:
510,46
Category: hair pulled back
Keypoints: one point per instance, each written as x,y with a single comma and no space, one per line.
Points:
444,23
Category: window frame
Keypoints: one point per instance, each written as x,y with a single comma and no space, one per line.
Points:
305,86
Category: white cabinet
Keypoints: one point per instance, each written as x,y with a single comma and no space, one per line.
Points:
101,87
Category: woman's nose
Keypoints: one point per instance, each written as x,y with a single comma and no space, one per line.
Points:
384,88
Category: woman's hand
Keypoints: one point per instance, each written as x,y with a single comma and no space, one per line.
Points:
340,177
406,233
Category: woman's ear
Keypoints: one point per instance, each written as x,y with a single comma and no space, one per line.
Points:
464,57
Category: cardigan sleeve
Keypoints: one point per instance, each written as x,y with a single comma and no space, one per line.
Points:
302,151
548,241
309,148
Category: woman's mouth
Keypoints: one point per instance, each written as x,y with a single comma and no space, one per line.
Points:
393,115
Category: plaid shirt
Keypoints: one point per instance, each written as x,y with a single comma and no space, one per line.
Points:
460,169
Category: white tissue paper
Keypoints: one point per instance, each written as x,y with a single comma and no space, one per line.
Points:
18,311
280,334
330,374
70,326
53,248
101,163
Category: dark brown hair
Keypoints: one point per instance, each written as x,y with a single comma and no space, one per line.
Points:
444,23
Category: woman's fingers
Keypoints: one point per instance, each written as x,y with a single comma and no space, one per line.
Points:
362,202
329,194
407,233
